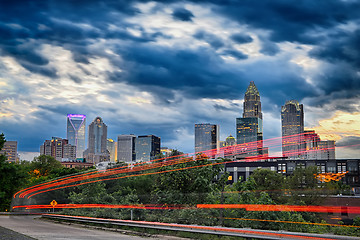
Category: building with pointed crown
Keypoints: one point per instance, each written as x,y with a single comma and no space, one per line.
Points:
249,128
252,104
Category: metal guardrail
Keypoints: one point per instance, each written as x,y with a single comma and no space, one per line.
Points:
223,231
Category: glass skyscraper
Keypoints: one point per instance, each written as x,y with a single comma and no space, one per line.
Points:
126,148
76,132
97,136
249,128
292,127
206,138
97,142
147,147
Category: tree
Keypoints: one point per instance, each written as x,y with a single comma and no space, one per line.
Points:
44,165
186,182
12,177
271,182
304,187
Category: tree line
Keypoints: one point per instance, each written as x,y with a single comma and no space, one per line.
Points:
16,176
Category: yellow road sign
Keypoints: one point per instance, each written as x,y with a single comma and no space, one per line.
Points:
53,203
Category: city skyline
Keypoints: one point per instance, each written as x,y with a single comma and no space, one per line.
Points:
159,67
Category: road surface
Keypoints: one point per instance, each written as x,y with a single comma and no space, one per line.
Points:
33,227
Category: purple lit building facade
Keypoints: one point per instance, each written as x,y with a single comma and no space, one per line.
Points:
76,132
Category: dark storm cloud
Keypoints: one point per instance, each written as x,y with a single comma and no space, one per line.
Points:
341,46
351,142
340,79
343,51
26,54
182,14
219,107
45,71
210,38
289,20
65,23
343,100
235,53
75,78
241,38
269,48
196,72
278,81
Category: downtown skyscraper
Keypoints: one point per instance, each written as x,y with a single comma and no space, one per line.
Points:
207,138
126,148
147,147
76,132
97,142
292,128
249,128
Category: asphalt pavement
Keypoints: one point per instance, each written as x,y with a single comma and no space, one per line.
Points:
30,227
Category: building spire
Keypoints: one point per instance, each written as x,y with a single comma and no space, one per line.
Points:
252,90
252,104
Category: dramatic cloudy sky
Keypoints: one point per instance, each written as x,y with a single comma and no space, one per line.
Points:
159,67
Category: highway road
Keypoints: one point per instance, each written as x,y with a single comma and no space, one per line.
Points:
38,229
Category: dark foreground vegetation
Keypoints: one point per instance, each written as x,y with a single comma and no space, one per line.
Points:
14,177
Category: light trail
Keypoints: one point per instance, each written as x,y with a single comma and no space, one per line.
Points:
117,206
284,208
247,207
55,180
281,221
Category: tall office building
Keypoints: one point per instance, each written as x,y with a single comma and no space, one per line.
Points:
10,151
147,147
76,132
97,151
249,128
292,127
207,138
126,148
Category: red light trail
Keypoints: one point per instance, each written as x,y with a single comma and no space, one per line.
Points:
281,221
119,206
247,207
284,208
